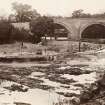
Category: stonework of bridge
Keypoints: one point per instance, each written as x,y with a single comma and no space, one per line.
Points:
75,27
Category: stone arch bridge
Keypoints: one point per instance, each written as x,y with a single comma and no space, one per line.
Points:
76,27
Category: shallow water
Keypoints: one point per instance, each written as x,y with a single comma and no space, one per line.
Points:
32,96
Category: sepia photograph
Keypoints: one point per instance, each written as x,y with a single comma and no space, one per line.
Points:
52,52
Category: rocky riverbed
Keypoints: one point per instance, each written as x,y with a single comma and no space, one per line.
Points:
76,80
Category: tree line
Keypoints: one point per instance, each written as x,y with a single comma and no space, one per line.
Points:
81,14
41,26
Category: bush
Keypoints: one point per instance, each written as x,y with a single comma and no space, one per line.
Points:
21,35
5,32
41,27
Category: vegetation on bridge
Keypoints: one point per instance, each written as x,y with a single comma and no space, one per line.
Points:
80,14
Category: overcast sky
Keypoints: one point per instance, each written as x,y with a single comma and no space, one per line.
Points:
56,7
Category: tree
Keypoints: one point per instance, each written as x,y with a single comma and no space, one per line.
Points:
21,35
42,26
80,14
24,12
77,13
5,31
11,18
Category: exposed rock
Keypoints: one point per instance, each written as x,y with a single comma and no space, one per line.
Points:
21,103
68,94
60,79
19,88
89,93
72,71
75,101
86,96
101,82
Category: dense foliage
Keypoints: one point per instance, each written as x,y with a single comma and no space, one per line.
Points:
5,31
41,27
21,35
10,34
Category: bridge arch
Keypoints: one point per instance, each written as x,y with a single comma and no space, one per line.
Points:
68,28
60,30
93,30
